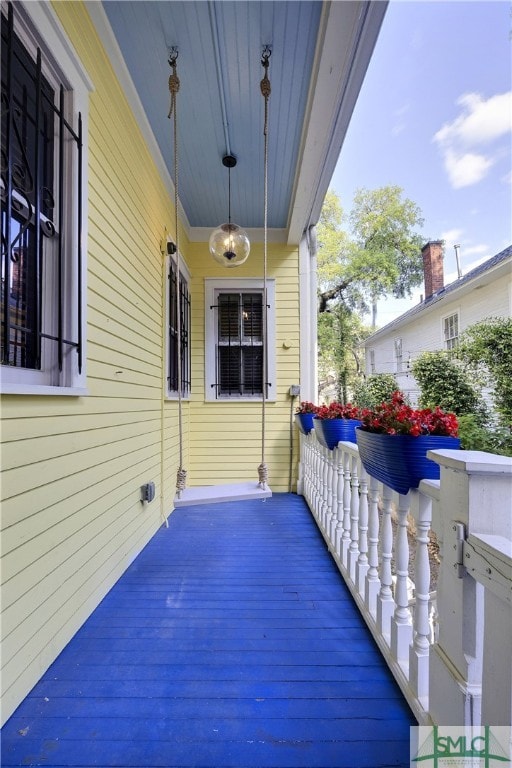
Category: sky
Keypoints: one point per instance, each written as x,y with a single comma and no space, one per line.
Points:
434,117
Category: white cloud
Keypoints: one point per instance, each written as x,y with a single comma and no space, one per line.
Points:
480,124
474,249
466,169
452,235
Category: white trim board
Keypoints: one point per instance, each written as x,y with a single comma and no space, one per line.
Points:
217,494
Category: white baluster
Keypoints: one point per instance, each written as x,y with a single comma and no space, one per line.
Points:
385,602
401,623
421,506
328,486
347,493
333,483
372,583
339,499
323,515
353,551
362,560
317,480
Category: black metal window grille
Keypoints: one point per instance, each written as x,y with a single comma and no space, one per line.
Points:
239,353
41,181
179,333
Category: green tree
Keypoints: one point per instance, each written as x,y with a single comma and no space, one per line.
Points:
340,337
375,390
487,348
382,256
444,382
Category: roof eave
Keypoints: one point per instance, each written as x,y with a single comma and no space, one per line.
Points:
347,36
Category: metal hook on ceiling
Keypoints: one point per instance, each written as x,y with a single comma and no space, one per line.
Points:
265,55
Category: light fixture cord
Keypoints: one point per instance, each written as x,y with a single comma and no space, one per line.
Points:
174,87
265,91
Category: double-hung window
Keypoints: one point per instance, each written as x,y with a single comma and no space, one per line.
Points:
178,332
42,209
237,343
451,331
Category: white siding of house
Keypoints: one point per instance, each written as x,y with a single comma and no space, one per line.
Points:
425,330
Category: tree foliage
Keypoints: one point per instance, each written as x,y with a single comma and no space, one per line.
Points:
444,382
487,348
340,337
375,390
382,256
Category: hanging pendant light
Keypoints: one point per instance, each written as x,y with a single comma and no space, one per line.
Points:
229,244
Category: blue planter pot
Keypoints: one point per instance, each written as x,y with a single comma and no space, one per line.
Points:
329,432
304,422
400,461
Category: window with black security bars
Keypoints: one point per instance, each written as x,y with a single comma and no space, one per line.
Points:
239,360
179,333
41,152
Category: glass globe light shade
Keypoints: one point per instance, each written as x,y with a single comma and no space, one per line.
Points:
229,245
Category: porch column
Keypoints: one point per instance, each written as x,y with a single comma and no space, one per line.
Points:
475,493
308,312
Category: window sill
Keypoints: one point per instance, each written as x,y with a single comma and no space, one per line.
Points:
41,389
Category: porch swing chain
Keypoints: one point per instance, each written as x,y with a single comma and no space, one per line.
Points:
265,91
174,86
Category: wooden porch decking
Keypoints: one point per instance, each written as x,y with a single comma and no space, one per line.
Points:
231,642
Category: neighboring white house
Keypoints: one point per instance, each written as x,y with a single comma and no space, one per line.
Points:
438,320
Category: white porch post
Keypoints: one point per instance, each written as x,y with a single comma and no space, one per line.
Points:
308,321
475,491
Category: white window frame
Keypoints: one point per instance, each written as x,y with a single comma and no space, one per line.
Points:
371,360
450,341
37,25
214,286
172,394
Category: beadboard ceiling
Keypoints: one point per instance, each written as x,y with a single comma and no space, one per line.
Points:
320,52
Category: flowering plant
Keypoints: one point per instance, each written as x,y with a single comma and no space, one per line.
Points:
338,411
398,418
306,407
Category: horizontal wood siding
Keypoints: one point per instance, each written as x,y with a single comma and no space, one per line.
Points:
72,519
425,332
225,437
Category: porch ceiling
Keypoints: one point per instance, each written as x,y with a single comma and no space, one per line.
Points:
320,52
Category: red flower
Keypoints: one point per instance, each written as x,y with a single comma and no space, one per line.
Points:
399,418
338,411
306,407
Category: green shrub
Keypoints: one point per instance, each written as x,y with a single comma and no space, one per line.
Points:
443,381
487,348
374,390
478,436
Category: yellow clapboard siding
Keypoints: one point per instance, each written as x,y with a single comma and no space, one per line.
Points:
124,483
131,318
76,599
43,427
16,481
57,554
26,452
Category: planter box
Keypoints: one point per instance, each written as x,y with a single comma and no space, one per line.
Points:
400,461
304,422
329,432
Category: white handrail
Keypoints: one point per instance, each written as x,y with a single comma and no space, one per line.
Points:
369,529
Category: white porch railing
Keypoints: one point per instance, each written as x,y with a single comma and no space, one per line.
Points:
450,651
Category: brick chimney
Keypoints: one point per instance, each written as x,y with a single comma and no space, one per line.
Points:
433,254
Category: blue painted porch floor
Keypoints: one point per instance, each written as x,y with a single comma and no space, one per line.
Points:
230,642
